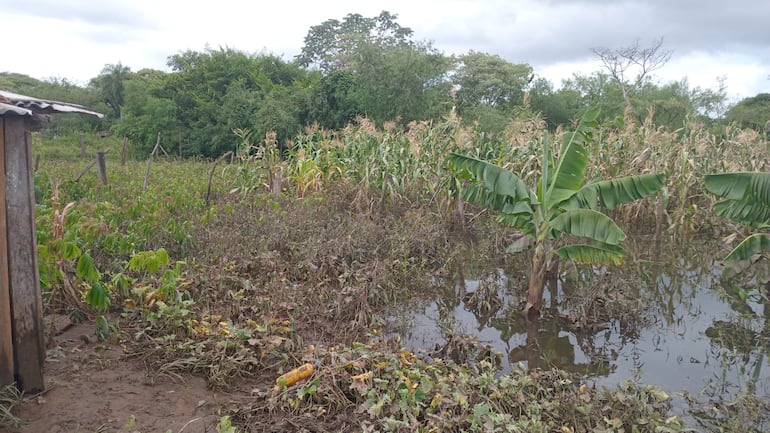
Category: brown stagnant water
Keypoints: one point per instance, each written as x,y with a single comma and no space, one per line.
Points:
683,331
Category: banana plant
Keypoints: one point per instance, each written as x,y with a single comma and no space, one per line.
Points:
562,202
745,199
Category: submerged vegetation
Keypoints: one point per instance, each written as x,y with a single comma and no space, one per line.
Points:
280,260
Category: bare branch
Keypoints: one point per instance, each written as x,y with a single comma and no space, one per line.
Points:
619,62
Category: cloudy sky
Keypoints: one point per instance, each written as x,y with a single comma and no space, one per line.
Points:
74,39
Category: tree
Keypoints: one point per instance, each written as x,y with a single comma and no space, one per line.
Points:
402,83
332,44
630,66
561,203
753,112
372,67
146,112
218,91
332,102
111,82
489,80
558,107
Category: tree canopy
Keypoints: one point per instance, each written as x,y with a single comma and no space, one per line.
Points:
372,67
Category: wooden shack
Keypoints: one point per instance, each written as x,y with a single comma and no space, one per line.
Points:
22,349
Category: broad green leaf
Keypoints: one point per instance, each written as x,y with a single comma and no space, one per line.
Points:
523,222
754,244
569,173
746,196
86,270
590,224
744,212
521,244
497,189
98,297
614,192
593,254
740,185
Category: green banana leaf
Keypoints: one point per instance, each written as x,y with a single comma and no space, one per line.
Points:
569,173
496,187
590,224
614,192
593,254
753,244
746,196
740,185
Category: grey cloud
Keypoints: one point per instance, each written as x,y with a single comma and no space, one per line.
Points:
101,13
567,30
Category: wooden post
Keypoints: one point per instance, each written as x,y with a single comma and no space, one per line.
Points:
101,167
149,160
23,276
124,151
82,145
7,364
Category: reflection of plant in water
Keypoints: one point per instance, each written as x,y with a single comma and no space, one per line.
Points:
547,347
485,301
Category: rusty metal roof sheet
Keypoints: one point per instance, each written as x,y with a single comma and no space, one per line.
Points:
28,105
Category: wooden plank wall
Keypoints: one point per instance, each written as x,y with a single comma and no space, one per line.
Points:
7,366
26,298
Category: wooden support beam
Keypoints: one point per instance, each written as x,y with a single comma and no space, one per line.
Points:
7,364
26,297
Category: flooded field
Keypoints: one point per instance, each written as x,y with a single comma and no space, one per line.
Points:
667,319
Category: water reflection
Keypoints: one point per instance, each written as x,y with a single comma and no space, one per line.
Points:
663,318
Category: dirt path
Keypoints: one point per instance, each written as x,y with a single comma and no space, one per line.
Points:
91,389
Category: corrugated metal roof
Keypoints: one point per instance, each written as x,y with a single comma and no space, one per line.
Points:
28,105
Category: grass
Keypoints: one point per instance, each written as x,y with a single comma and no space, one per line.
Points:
10,397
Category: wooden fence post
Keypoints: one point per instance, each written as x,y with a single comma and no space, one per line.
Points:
7,364
124,151
82,145
23,275
101,167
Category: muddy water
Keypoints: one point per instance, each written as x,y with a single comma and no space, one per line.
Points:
675,325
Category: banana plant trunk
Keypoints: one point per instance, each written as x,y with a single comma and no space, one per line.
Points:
536,284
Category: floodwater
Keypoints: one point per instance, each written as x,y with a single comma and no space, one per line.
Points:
676,325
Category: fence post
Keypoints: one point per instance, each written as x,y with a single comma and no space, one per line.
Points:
21,240
124,151
82,145
7,364
101,167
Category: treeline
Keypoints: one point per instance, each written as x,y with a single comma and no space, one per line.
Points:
359,66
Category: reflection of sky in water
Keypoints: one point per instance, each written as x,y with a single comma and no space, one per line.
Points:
672,352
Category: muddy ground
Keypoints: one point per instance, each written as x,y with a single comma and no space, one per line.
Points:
92,387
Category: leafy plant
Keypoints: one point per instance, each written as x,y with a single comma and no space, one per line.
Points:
745,199
561,203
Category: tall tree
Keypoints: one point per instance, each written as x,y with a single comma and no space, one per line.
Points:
331,44
487,79
111,81
630,66
372,66
752,112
